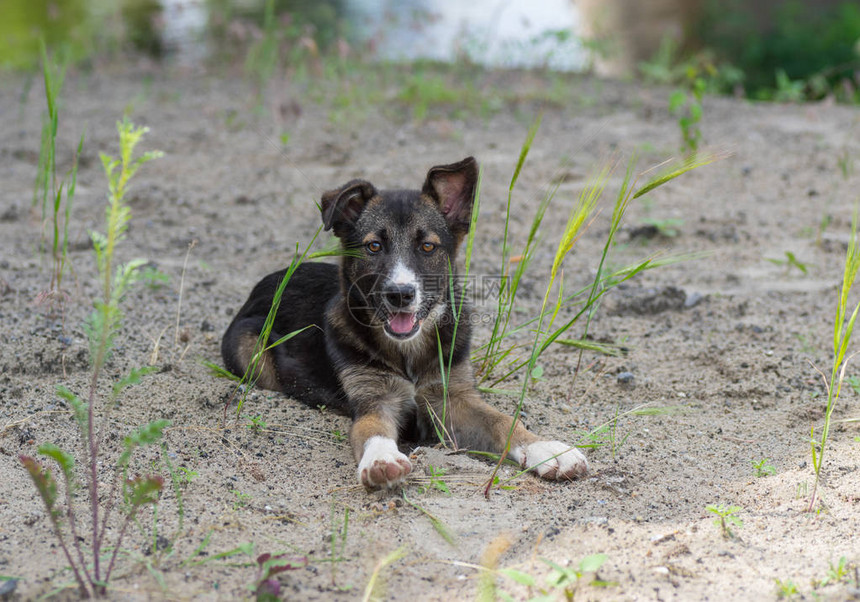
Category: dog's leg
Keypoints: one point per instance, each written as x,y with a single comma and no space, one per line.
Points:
379,401
374,444
472,424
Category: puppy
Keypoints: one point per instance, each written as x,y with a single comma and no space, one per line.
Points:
381,319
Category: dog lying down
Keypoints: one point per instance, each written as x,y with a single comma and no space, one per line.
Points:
381,316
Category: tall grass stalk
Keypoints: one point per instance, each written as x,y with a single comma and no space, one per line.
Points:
101,327
841,339
457,304
496,362
581,215
606,282
49,189
508,285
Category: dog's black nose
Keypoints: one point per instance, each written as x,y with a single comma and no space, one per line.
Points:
399,296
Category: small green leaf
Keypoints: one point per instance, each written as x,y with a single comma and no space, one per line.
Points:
696,112
44,482
64,459
589,564
132,378
79,408
145,435
143,490
677,100
519,577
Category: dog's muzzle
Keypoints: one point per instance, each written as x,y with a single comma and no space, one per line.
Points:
402,321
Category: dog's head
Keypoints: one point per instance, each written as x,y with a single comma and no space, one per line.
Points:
402,245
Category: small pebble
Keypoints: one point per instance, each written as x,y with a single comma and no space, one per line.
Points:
693,299
625,378
596,520
7,588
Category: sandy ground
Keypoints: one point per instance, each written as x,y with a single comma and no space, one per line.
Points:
726,340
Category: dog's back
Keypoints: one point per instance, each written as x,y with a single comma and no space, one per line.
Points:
299,366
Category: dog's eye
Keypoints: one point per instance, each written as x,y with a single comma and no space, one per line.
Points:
374,246
428,247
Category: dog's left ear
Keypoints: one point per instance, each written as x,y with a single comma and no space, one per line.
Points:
453,187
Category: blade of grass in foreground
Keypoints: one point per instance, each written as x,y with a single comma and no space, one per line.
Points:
457,304
841,339
580,216
507,292
262,345
373,590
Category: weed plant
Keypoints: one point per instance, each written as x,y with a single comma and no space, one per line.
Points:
127,494
786,589
836,573
692,77
48,190
585,301
763,468
790,261
562,583
686,103
726,518
498,360
265,587
843,326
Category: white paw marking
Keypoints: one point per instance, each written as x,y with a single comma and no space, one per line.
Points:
552,459
382,463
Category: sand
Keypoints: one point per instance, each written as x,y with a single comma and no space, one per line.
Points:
727,342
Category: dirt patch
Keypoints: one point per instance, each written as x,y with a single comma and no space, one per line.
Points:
724,340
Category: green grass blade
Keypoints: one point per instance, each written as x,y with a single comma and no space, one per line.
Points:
676,169
524,152
253,370
287,337
610,349
374,585
441,528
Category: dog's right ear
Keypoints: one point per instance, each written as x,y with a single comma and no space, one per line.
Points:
340,208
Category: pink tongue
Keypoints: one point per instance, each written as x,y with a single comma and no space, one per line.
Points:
402,323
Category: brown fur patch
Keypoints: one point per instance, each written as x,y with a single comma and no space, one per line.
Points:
267,376
470,422
367,426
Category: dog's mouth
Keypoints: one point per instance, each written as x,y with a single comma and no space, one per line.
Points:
403,324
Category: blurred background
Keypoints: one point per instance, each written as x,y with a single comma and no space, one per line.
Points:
761,49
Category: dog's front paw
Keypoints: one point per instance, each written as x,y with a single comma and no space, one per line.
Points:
553,460
382,464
